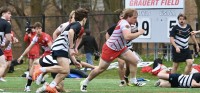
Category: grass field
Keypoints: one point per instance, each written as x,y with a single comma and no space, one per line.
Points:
107,82
16,84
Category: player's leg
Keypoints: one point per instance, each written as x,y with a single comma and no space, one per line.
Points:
3,64
29,76
88,60
188,67
121,71
132,59
64,69
103,65
127,73
174,67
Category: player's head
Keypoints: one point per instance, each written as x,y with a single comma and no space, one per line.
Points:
81,15
181,19
71,16
130,15
5,12
38,27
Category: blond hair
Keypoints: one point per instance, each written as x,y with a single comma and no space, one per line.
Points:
129,12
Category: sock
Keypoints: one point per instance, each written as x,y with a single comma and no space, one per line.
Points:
122,81
29,82
86,81
53,84
133,80
43,69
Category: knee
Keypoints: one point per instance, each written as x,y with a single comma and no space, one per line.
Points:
189,63
65,71
4,64
100,69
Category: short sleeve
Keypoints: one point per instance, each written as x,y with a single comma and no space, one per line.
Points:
190,28
125,26
62,27
7,28
76,27
173,32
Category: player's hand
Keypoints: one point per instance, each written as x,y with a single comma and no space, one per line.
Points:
178,50
72,52
193,32
76,51
78,65
19,59
141,31
15,40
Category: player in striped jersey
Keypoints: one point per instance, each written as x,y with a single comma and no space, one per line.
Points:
47,61
63,48
62,27
178,80
115,47
179,37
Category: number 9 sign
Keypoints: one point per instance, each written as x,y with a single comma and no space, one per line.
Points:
144,23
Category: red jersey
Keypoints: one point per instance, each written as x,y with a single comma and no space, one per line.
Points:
43,40
35,50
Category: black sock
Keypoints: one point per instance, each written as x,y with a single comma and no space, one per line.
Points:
29,81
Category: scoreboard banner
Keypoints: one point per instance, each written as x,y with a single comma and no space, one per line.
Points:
156,17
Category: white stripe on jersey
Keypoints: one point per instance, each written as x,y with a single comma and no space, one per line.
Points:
61,42
62,27
116,41
185,80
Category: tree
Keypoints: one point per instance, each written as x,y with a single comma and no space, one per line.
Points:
198,11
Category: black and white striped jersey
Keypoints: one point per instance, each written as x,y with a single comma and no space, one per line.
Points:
185,81
181,35
5,28
62,41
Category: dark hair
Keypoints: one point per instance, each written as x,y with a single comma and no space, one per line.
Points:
80,14
129,13
37,24
4,9
181,15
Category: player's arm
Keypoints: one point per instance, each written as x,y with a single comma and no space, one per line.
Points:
8,39
26,51
56,33
8,34
78,41
28,48
195,41
195,32
129,36
70,37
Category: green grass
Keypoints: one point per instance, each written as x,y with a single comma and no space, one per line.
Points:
16,84
106,82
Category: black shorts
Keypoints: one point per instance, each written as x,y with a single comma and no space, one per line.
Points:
59,53
173,80
182,56
1,52
196,77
